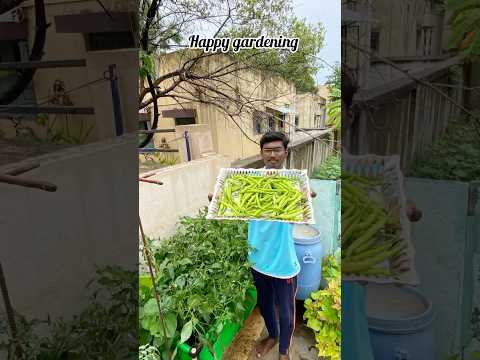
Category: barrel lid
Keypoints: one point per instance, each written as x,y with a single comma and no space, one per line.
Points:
401,307
305,234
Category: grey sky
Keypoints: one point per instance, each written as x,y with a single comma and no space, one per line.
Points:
328,13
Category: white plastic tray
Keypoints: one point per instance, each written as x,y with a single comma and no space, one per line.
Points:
225,173
388,169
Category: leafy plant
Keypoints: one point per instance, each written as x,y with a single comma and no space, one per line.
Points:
148,352
330,169
323,311
103,330
147,64
464,24
47,130
158,158
334,109
473,356
456,156
204,278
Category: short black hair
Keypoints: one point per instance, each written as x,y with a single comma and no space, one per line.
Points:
274,136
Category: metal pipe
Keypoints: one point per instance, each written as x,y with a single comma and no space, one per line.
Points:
187,143
42,185
10,313
117,111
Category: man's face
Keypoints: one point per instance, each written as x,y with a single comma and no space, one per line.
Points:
274,154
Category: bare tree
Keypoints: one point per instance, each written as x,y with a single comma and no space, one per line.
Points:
24,77
7,5
199,78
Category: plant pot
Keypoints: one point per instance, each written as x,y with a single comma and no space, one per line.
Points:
226,336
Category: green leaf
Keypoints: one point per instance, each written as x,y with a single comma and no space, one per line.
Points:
150,307
170,324
314,324
186,331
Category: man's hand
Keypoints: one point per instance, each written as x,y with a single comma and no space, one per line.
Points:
414,214
210,196
313,194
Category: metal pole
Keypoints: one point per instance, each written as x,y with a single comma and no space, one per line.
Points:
187,143
10,313
117,111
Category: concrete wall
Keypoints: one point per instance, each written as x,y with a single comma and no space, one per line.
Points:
308,107
398,22
61,46
262,89
184,191
50,242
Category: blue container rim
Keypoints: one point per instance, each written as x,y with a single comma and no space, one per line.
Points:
406,325
308,240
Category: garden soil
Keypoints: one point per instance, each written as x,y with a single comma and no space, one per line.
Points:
254,329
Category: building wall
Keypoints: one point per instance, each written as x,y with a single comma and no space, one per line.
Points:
400,26
415,120
308,107
49,256
61,46
268,91
184,191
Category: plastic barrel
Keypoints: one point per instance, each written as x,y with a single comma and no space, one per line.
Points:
400,321
308,248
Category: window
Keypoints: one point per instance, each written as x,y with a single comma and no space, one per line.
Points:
144,124
424,40
281,122
296,122
259,122
352,5
9,51
427,40
184,121
375,40
271,123
109,40
419,40
15,51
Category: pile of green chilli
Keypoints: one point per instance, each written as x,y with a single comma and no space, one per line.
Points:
265,197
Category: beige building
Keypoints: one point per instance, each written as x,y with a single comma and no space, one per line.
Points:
388,107
312,111
267,102
94,39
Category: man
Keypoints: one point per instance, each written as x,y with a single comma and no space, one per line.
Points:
274,262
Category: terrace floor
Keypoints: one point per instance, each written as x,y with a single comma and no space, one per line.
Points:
254,329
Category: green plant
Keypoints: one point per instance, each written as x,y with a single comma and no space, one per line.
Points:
473,356
158,158
330,169
334,109
103,330
323,311
148,352
464,25
147,64
204,277
50,131
456,156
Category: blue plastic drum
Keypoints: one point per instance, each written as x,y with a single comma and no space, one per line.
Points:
400,321
309,251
